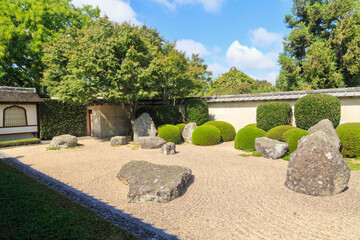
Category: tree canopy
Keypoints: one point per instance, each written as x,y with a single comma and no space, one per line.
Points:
26,26
323,48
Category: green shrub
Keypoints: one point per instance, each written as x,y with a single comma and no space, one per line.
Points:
251,125
58,118
166,114
349,134
311,109
226,129
292,137
206,135
256,154
19,142
181,127
142,110
273,114
245,137
277,133
197,111
170,133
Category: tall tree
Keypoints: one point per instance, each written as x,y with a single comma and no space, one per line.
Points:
25,27
323,48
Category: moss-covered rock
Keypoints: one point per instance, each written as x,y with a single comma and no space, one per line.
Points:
245,137
170,133
349,134
277,133
206,135
292,137
181,127
227,130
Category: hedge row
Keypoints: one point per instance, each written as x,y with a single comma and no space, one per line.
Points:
273,114
19,142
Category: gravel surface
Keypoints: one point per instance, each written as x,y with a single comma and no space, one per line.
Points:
231,197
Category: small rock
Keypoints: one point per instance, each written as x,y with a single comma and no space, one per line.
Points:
144,126
327,127
151,142
118,140
152,182
270,148
188,131
168,148
63,141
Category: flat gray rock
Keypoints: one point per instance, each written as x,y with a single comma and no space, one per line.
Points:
168,148
270,148
118,140
144,126
327,127
150,142
152,182
188,131
63,141
317,168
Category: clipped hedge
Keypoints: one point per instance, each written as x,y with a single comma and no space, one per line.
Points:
292,138
251,125
181,127
349,134
170,133
226,129
273,114
311,109
166,114
19,142
245,138
206,135
197,111
58,118
277,133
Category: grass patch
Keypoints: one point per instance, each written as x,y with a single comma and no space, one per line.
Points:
286,158
248,150
20,142
256,154
354,164
54,148
79,145
134,146
32,210
244,155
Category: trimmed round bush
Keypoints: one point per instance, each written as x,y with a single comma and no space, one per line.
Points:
273,114
206,135
311,109
245,138
197,111
277,133
251,125
226,129
170,133
166,114
181,127
292,137
349,134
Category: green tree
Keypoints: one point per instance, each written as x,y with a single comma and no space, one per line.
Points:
323,48
26,26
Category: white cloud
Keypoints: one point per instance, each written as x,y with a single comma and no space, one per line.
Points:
245,58
217,69
270,77
190,46
208,5
262,38
116,10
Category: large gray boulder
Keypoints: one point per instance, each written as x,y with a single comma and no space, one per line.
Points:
118,140
327,127
188,131
270,148
144,126
169,148
150,142
317,168
63,141
152,182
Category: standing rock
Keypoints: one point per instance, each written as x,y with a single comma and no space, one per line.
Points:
317,168
327,127
63,141
188,131
270,148
151,142
168,148
152,182
118,140
144,126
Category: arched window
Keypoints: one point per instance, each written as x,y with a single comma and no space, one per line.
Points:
14,116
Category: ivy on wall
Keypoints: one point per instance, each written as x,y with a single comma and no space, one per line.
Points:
57,118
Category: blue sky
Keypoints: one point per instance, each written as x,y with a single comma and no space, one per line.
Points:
243,33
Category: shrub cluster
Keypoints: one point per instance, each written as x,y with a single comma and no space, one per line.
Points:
58,118
170,133
273,114
245,138
197,111
311,109
206,135
292,138
19,142
349,134
166,114
277,133
142,110
226,129
181,127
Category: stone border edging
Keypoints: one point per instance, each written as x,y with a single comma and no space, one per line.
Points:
116,216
